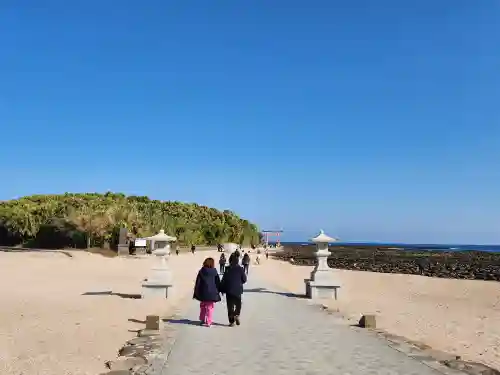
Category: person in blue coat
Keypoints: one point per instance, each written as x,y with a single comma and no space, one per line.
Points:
207,290
232,285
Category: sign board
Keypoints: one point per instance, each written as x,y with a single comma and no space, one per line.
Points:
139,242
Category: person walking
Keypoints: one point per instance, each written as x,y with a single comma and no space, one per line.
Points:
193,248
267,254
246,262
235,255
232,285
222,263
207,291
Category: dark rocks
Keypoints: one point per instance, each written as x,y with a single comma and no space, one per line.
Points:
452,264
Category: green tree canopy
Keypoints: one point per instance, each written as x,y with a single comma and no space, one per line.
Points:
93,219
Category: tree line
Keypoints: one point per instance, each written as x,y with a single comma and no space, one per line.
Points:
84,220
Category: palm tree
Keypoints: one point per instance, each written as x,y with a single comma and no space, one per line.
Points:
99,216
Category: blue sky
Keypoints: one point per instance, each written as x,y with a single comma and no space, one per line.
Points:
374,120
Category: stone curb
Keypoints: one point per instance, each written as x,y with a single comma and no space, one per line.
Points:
147,353
440,361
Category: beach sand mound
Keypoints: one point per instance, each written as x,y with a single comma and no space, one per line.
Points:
70,314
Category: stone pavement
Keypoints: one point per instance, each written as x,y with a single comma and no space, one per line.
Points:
279,335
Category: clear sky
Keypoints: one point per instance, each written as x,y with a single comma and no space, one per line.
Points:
374,120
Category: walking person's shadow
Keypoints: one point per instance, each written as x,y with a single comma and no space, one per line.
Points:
284,294
190,322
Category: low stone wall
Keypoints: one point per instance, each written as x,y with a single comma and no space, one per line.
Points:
456,265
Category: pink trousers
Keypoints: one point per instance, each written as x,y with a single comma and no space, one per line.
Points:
206,312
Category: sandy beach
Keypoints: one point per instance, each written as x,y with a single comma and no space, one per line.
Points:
49,327
460,317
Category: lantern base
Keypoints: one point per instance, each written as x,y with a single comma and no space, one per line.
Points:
151,289
320,290
123,250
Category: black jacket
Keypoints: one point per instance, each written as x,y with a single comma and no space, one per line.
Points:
207,286
233,280
236,256
246,259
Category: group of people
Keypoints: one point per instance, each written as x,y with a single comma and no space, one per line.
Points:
193,249
245,261
209,287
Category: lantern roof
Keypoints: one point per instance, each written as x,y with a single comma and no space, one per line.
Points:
161,236
323,238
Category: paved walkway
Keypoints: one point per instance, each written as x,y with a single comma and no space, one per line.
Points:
281,335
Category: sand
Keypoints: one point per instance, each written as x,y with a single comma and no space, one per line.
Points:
461,317
47,325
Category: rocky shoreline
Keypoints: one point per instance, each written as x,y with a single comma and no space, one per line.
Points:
445,264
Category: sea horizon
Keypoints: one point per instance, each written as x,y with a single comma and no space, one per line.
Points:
406,246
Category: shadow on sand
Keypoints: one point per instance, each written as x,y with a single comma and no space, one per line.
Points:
138,321
189,322
264,290
110,293
8,249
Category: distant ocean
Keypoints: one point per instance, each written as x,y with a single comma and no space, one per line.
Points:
406,246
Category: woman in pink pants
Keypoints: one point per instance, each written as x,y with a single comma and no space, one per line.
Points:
207,290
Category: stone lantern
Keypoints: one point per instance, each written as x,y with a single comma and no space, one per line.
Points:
230,248
160,281
321,283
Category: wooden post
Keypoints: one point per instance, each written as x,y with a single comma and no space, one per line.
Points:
153,322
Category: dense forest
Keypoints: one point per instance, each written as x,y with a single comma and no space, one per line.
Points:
94,220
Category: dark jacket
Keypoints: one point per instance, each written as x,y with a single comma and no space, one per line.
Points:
207,286
233,280
222,259
234,257
246,259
